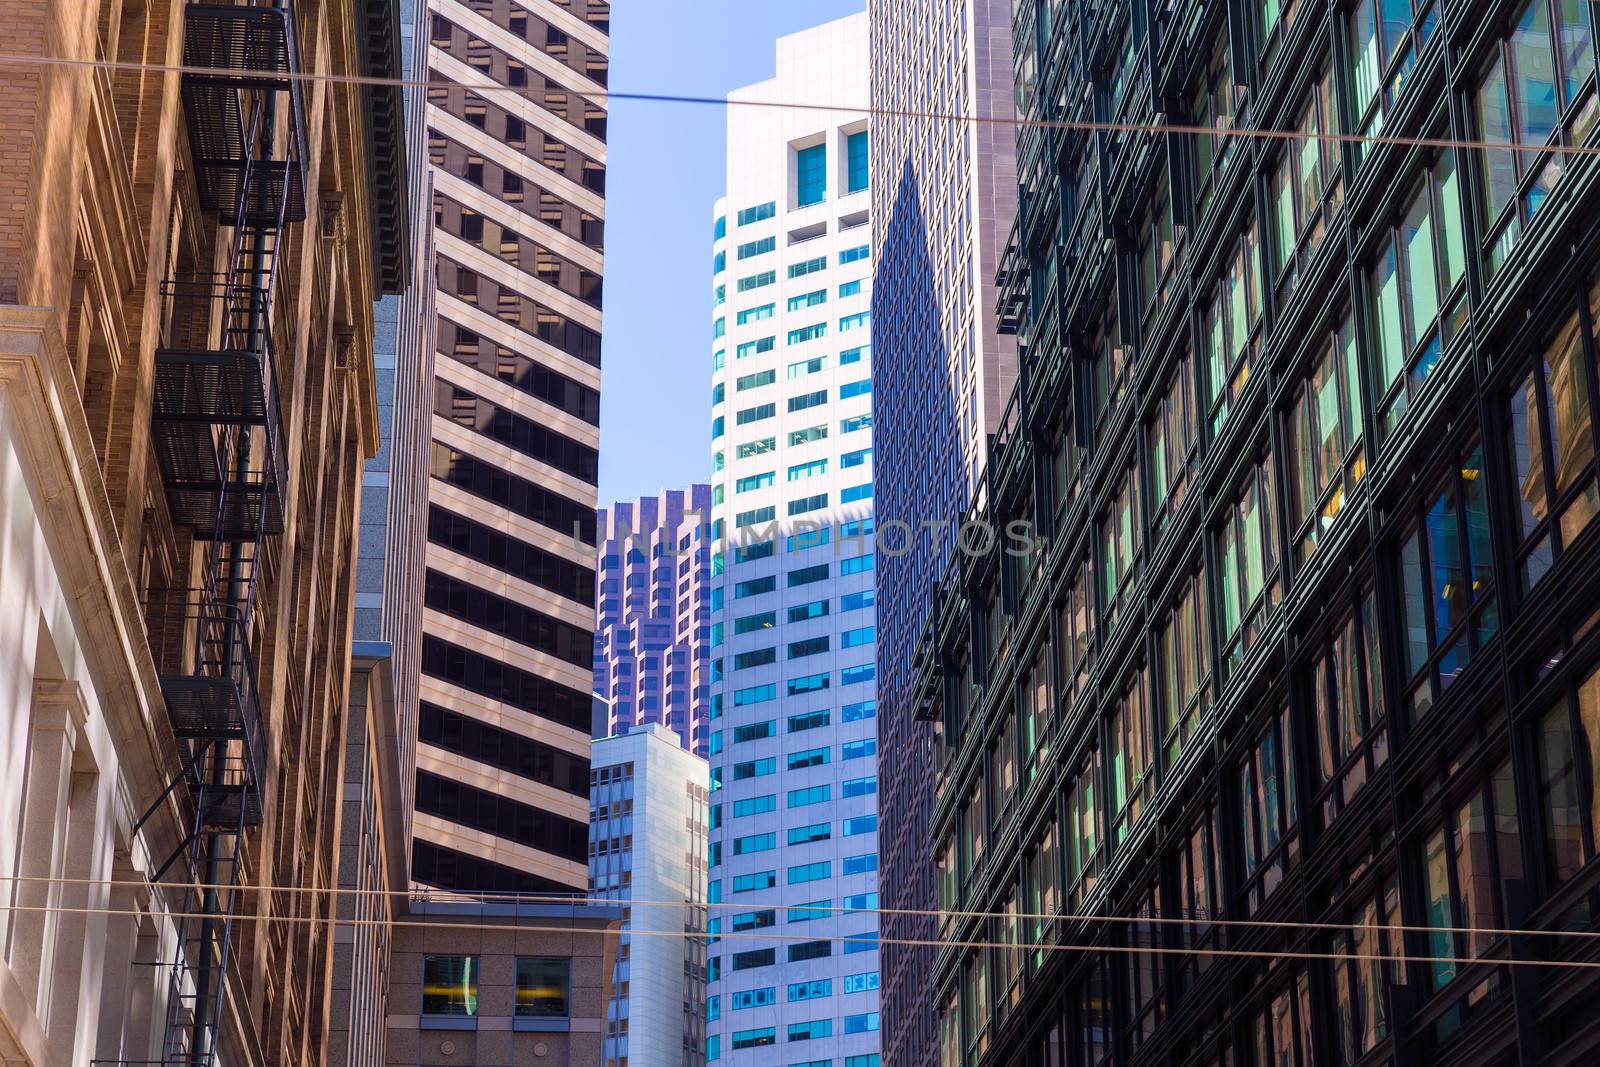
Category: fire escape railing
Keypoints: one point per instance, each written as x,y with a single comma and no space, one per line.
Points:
218,441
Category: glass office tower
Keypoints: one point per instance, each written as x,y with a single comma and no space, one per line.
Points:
793,741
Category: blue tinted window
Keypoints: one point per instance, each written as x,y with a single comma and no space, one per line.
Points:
855,146
811,174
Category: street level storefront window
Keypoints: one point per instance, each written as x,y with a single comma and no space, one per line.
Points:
1537,91
1447,582
450,986
1551,434
544,987
1415,282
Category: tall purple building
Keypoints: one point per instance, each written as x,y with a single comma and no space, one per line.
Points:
652,640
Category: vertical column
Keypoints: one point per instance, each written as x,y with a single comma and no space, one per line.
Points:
81,926
129,971
52,736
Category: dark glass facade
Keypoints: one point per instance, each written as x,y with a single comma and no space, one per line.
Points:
1292,709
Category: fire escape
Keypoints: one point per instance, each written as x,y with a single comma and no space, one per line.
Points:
218,439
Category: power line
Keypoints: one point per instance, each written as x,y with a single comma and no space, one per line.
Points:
501,898
1223,129
1018,946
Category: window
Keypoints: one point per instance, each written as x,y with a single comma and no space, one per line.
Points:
859,749
860,636
756,515
814,609
807,300
809,266
753,482
753,998
755,768
1232,316
810,721
811,646
806,366
1183,667
811,911
1551,437
810,872
754,920
1128,759
1267,812
1347,701
808,470
1282,1033
1213,107
543,986
805,835
855,148
864,672
1385,38
806,575
1414,281
1536,90
757,213
1362,975
755,805
808,400
1569,800
744,846
816,794
755,414
761,957
861,1024
1112,362
756,380
861,864
808,435
807,333
855,564
755,731
866,598
859,787
860,824
450,985
811,174
855,422
1082,840
1075,632
1306,190
810,683
756,586
1460,856
756,248
1246,547
854,255
765,1035
810,950
1447,583
850,389
755,314
759,657
719,263
754,348
1323,436
749,553
813,990
847,289
756,281
1173,457
1120,545
852,493
855,321
764,620
747,883
807,504
1157,250
863,942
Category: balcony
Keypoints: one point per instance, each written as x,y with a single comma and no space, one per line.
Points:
201,643
240,66
227,381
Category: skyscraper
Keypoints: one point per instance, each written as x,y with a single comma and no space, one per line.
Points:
944,196
516,152
652,642
648,844
793,747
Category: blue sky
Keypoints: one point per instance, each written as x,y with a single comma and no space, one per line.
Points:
665,168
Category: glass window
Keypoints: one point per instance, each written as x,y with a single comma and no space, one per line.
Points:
1268,819
1551,437
1276,17
1246,548
1384,38
1414,280
1323,436
544,985
1536,89
1128,760
1081,841
1173,456
1075,633
1569,802
1230,327
811,174
1183,666
1307,188
1158,252
1213,106
1361,976
856,157
1120,545
1347,704
1447,582
450,985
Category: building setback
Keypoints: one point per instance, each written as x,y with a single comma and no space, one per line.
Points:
647,852
793,744
652,642
188,269
1307,665
516,164
944,197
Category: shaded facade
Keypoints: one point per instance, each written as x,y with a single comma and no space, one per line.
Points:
652,642
943,202
647,844
515,142
1307,430
188,269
